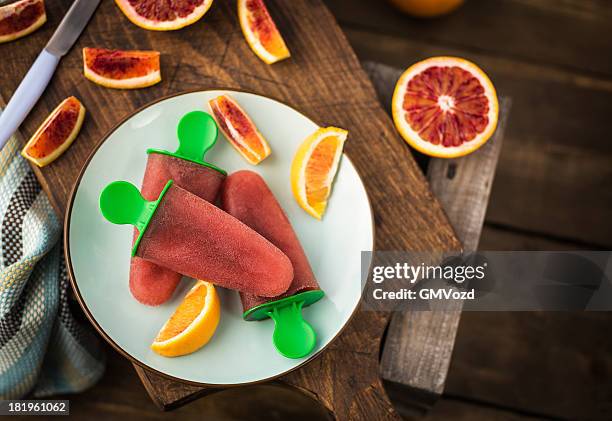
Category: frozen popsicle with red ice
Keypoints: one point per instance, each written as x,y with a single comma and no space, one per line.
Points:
246,196
197,132
185,233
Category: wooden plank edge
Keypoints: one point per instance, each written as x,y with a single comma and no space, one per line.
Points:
414,395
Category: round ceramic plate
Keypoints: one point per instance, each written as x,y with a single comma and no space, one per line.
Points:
240,352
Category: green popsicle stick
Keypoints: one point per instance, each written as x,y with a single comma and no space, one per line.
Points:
197,134
121,203
293,336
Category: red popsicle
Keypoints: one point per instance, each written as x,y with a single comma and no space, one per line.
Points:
246,196
149,283
187,234
197,133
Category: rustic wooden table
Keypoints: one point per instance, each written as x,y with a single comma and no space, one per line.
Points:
554,170
551,189
319,78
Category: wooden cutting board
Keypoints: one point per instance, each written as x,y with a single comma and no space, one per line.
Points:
324,80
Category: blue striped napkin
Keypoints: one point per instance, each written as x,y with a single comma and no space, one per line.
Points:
44,350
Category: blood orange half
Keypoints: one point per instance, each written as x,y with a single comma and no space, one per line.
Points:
261,32
445,107
239,129
121,69
21,18
163,15
56,133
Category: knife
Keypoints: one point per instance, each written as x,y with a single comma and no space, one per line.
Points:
36,80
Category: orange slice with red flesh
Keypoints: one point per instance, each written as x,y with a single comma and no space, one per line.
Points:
121,69
239,129
169,15
261,32
445,107
56,133
21,18
314,168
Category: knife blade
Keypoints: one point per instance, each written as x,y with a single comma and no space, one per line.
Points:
71,26
36,80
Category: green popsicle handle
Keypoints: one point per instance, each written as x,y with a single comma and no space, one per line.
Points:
121,203
197,133
293,336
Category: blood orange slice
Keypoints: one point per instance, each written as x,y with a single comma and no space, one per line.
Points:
239,129
21,18
56,133
314,168
260,31
167,15
121,69
445,107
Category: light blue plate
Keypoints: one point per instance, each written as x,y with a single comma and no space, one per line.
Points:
240,352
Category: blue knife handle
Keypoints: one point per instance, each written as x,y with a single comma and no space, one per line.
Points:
27,94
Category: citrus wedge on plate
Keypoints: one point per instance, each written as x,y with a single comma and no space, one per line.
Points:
445,107
157,15
239,129
314,167
56,133
121,69
261,32
193,323
21,18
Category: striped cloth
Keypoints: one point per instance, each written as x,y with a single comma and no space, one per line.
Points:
44,350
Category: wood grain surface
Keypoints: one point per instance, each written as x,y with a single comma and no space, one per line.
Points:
323,79
554,364
555,162
573,31
551,190
561,177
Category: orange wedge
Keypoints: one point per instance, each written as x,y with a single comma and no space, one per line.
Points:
56,133
121,69
239,129
193,323
261,32
314,167
21,18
